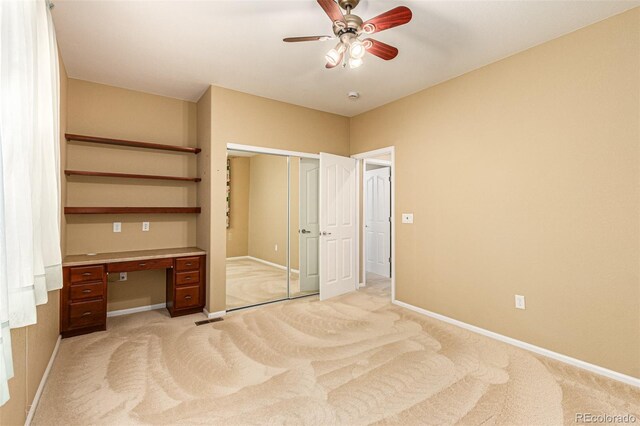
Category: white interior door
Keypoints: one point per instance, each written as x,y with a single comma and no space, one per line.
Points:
338,270
377,221
309,224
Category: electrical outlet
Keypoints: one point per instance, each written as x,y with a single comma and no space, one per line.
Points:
520,302
407,217
145,226
276,248
117,227
123,276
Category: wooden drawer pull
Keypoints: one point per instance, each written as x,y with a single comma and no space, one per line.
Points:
86,274
87,313
187,297
188,264
187,278
141,264
86,290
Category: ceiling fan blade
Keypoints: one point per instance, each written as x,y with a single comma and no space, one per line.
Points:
332,9
391,18
380,49
329,66
306,38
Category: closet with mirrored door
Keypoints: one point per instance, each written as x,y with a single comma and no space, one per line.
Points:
272,228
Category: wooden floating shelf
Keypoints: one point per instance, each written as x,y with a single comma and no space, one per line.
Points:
136,144
129,176
129,210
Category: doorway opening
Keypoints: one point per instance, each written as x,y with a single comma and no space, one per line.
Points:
376,199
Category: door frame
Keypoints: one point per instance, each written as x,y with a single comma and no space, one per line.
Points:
362,159
273,151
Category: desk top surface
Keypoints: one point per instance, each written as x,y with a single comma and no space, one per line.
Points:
126,256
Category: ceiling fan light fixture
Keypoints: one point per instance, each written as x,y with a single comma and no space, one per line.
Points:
355,62
334,55
357,50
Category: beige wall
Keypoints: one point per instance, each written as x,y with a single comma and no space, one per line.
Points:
268,208
523,178
237,117
99,110
204,237
32,346
238,231
259,208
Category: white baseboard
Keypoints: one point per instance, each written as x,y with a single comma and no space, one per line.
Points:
43,381
361,285
266,262
136,309
633,381
212,315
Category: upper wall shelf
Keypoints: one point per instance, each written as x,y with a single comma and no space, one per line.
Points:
122,142
128,175
129,210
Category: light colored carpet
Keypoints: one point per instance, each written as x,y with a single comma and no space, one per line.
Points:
250,282
353,360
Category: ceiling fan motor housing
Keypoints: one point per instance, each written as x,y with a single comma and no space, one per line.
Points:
353,26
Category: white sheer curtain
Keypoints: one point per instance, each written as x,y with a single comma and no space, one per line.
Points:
30,258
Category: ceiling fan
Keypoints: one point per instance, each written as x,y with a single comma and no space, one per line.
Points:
348,28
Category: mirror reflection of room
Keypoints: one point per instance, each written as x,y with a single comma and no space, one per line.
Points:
272,252
256,228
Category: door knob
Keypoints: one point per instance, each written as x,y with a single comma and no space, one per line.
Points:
304,231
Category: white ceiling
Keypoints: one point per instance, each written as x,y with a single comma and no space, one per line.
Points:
177,48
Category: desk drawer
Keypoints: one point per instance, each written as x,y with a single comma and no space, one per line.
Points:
187,297
86,290
140,265
188,264
192,277
86,273
83,314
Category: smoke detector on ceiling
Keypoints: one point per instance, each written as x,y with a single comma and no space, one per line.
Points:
353,95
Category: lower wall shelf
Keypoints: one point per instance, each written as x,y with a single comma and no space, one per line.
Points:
130,210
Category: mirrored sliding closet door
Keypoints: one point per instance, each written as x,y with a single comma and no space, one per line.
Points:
272,228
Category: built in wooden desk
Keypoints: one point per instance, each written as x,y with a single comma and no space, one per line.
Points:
83,300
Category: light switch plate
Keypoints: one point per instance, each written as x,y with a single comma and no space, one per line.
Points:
145,226
117,226
520,302
123,276
407,217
